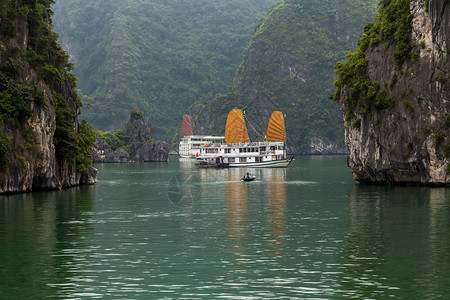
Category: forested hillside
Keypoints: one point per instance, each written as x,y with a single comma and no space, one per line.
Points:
158,56
289,65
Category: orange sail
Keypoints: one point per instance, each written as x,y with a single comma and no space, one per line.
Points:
235,130
276,130
186,127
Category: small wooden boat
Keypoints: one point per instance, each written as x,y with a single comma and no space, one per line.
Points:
248,177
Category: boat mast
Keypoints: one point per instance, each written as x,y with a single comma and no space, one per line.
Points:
196,125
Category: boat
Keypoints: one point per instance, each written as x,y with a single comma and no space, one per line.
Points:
238,151
216,162
190,144
248,177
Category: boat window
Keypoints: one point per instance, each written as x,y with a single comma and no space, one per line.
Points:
256,159
231,159
242,159
262,148
240,150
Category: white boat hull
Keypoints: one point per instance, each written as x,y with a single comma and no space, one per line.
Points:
283,163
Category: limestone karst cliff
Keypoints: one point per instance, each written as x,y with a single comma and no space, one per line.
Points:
394,91
134,145
42,145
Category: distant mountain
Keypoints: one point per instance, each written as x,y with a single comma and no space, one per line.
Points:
158,56
288,66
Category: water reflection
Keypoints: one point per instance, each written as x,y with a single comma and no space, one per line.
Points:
236,221
277,201
397,243
245,244
37,232
276,195
186,164
302,232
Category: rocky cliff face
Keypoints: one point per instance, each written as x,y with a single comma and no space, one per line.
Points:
397,123
319,146
142,148
28,101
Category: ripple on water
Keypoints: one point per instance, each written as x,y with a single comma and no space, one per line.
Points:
292,238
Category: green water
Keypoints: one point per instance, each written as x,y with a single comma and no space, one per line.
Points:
170,230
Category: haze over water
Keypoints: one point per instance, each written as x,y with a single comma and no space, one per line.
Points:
170,230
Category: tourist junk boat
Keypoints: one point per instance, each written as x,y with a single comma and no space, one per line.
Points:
238,151
191,144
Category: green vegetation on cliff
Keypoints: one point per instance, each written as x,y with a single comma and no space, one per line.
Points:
392,25
288,66
27,41
154,55
118,139
394,88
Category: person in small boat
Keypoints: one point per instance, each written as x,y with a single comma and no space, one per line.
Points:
247,175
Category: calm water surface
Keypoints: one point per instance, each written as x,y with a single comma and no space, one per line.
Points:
170,230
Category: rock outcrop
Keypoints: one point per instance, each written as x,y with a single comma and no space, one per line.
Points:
142,147
397,123
320,146
34,76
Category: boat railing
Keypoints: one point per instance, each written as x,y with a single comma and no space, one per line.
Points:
236,145
268,152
